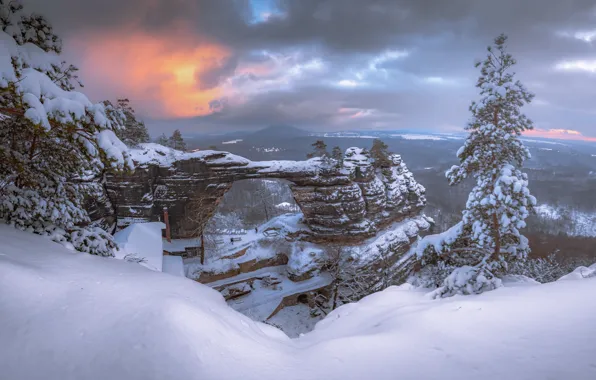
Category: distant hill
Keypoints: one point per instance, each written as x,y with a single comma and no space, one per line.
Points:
283,131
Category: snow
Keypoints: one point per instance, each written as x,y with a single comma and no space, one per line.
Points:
173,265
155,154
548,211
75,316
436,241
294,320
419,137
180,245
45,101
577,223
351,135
580,273
394,237
542,142
261,302
267,150
257,244
286,205
142,240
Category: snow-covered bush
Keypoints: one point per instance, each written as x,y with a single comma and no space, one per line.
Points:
51,137
467,280
350,281
134,131
305,261
550,268
500,202
541,269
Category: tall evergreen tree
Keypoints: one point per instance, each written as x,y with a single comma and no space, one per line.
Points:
319,149
176,141
380,154
50,140
337,155
493,154
163,140
134,131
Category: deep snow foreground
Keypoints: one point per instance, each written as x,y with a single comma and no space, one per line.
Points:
66,315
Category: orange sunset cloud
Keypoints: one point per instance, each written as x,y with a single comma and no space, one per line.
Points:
160,74
562,134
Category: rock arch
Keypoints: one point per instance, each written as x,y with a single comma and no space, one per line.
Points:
347,201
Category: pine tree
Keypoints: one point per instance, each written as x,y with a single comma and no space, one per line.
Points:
320,150
163,140
176,141
50,141
134,131
380,154
493,154
337,155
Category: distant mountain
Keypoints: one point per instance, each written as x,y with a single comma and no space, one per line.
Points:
283,131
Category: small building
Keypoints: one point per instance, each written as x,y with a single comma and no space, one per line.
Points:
143,243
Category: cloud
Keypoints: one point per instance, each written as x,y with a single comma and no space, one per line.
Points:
579,65
206,64
561,134
162,78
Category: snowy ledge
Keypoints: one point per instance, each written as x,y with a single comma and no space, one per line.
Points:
155,154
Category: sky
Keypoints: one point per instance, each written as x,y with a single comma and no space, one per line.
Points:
222,65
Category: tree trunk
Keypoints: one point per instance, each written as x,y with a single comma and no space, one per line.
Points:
202,248
496,226
33,146
266,211
335,291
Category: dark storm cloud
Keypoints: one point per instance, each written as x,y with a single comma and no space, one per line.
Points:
215,19
348,25
213,77
430,87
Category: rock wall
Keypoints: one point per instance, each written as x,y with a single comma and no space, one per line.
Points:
341,201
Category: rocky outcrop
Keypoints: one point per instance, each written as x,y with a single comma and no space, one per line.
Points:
341,201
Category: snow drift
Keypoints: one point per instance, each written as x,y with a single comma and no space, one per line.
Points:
67,315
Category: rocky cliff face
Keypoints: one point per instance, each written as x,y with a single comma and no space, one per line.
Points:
341,201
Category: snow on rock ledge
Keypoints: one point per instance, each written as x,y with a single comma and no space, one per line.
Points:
348,203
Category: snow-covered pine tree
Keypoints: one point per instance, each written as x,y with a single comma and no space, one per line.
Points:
493,154
163,140
134,131
176,141
51,138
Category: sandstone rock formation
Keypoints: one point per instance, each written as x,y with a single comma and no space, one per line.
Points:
347,201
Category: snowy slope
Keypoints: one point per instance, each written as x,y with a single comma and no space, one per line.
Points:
572,222
67,315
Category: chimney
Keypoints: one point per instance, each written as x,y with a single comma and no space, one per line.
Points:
166,220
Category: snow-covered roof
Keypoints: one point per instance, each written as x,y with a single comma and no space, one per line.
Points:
173,265
142,240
